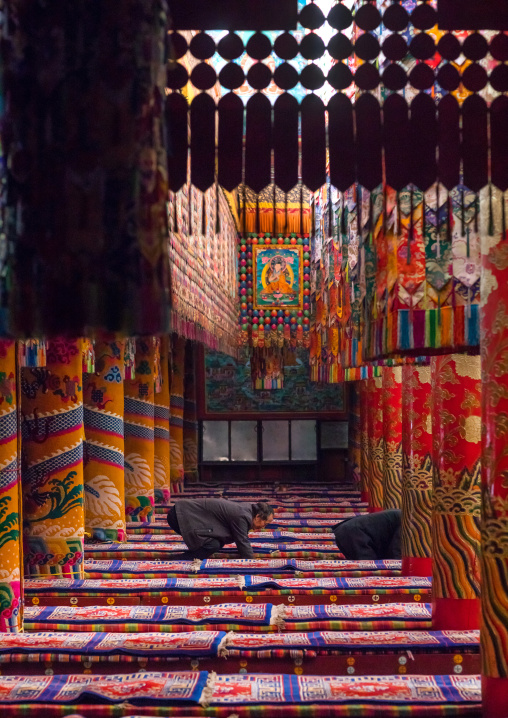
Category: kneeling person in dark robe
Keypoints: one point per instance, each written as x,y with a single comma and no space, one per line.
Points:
206,525
370,537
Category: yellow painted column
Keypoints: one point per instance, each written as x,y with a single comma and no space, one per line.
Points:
176,420
11,580
162,483
52,472
103,393
139,434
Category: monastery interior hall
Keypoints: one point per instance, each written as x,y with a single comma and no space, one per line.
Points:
254,358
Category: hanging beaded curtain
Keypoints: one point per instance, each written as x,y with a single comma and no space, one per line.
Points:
11,589
52,470
190,423
374,51
89,179
103,392
162,485
139,433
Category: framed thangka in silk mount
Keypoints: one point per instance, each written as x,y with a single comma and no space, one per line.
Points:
278,277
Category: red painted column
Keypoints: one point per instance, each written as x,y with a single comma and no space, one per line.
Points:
416,472
364,447
376,443
494,346
392,437
456,429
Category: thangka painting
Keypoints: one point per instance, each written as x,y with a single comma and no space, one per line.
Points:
278,277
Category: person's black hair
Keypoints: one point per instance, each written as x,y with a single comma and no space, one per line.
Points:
263,510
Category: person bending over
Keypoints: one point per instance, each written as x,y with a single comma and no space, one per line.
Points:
371,536
206,525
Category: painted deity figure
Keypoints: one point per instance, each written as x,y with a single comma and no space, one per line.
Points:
278,280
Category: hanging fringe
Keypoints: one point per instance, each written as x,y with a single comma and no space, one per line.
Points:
449,221
301,207
438,224
257,214
462,214
313,217
203,214
385,209
371,218
424,206
244,215
411,227
343,226
476,211
359,211
503,216
274,197
491,213
217,212
330,212
32,353
129,358
398,211
175,215
285,213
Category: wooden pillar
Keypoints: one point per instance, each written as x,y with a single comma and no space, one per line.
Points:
392,437
456,438
52,473
11,581
376,443
494,348
176,420
162,484
103,393
364,428
416,472
139,434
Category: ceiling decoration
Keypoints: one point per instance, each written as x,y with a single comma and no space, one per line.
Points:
361,84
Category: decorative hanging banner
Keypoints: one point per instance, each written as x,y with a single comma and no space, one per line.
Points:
52,474
11,587
376,443
96,194
139,434
103,393
202,243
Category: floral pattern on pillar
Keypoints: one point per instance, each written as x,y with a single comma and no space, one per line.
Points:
103,393
139,434
494,348
416,471
162,484
52,471
392,437
376,442
11,589
456,439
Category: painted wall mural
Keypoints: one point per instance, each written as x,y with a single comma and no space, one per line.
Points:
228,388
